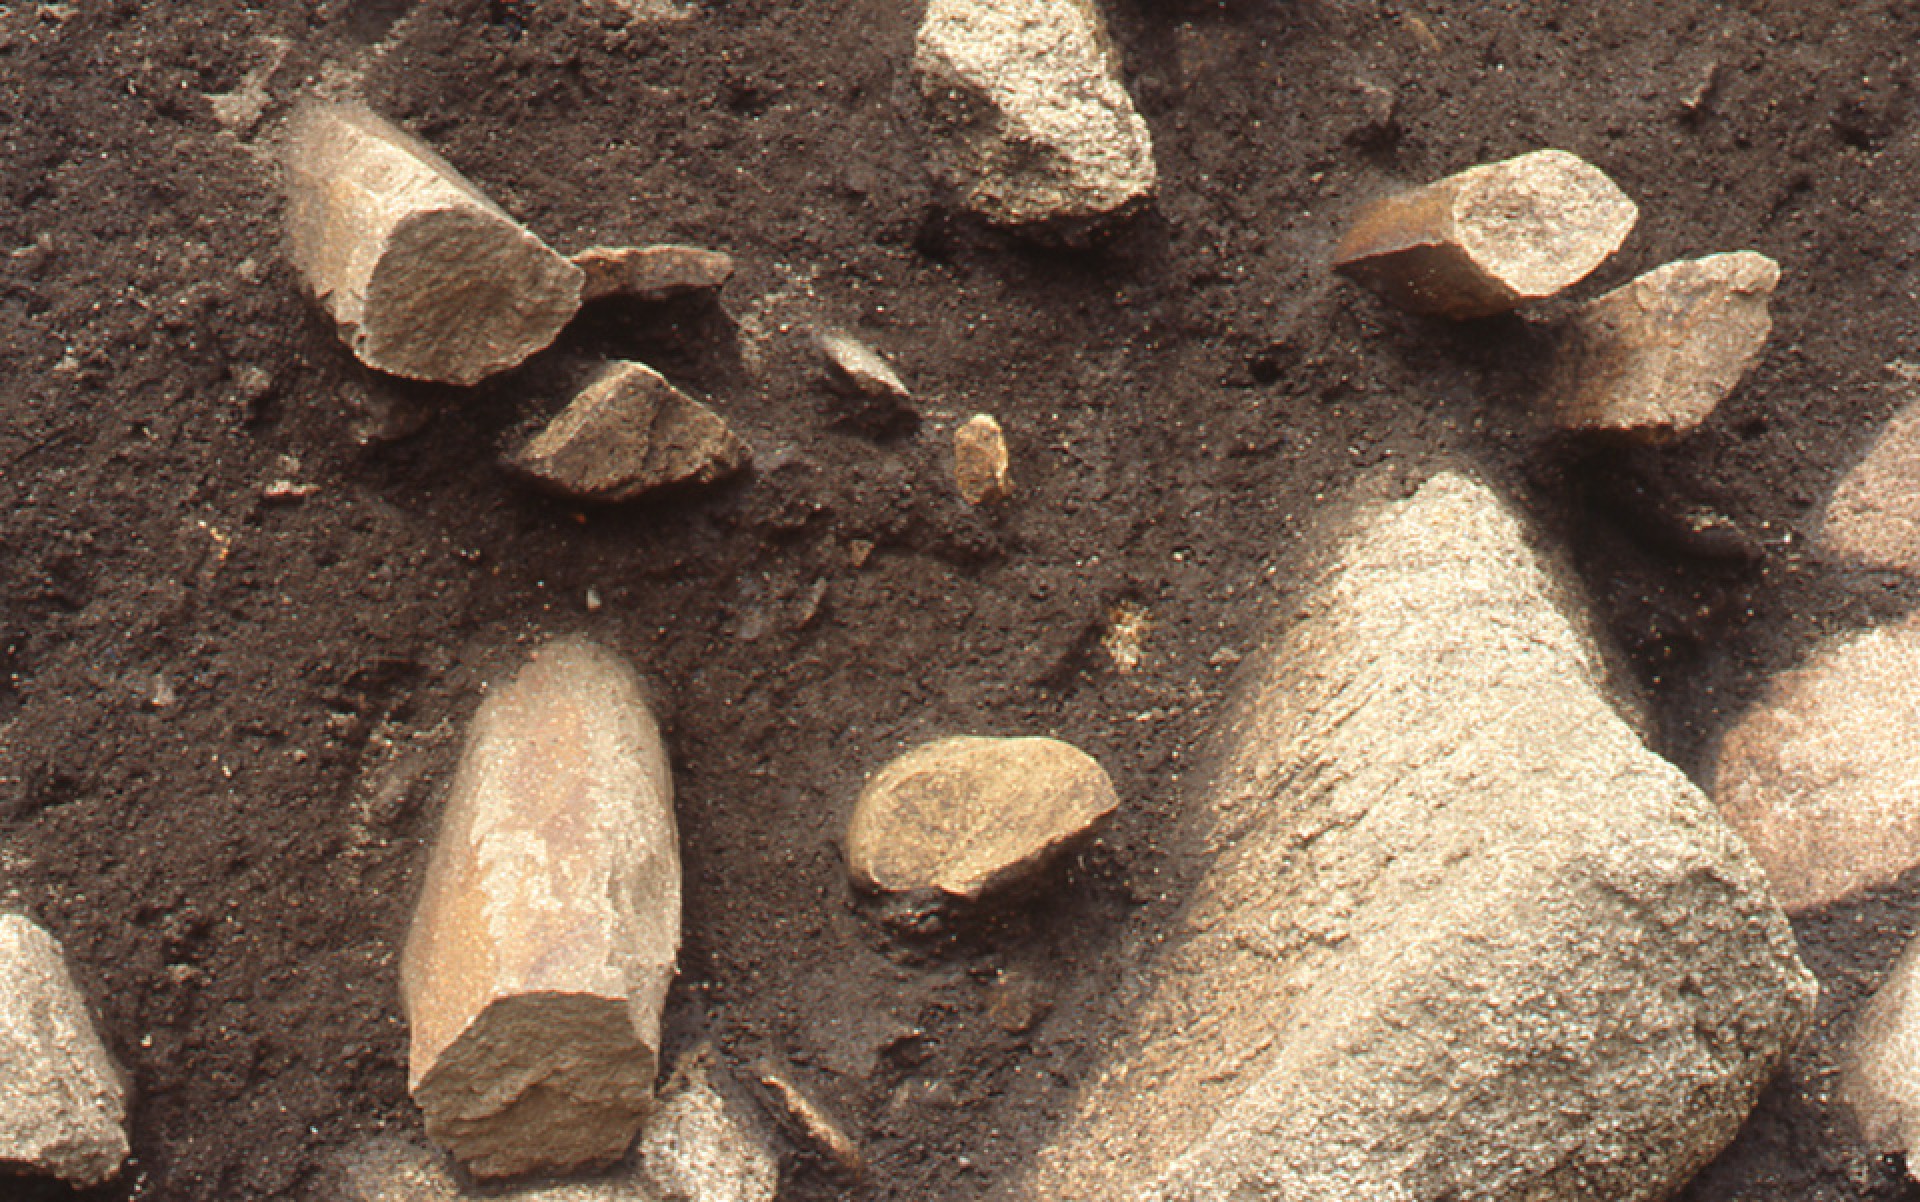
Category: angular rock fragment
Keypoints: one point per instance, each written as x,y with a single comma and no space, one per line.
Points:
63,1106
705,1143
1881,1084
1491,238
806,1120
1460,935
966,816
1821,775
1029,121
1873,518
855,365
650,273
1654,357
426,277
626,433
980,461
545,938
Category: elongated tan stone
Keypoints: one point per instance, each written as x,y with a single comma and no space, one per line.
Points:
545,937
425,276
63,1106
1652,358
1491,238
651,273
980,461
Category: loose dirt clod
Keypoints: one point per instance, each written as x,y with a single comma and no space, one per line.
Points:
426,277
1654,357
651,273
539,957
63,1107
980,461
629,431
1490,238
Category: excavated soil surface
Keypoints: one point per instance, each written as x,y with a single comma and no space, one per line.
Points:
226,717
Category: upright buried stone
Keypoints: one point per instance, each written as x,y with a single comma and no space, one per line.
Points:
540,954
426,277
1882,1079
1653,358
1461,936
1028,118
1490,238
62,1104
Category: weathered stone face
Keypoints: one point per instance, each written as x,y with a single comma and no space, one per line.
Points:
980,461
1873,518
628,432
545,938
1652,358
650,273
1491,238
1028,118
1461,935
426,277
964,816
63,1107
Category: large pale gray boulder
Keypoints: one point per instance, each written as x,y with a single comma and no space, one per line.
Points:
1028,119
426,277
1462,935
63,1106
539,958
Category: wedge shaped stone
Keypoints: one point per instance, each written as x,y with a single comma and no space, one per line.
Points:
651,272
628,432
1029,122
545,937
1491,238
425,276
1654,357
63,1106
967,815
1459,935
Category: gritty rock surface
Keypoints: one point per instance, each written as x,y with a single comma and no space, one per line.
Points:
651,273
539,957
426,277
980,461
629,431
1821,775
1461,935
1491,238
1028,117
1873,518
1654,357
965,816
390,1169
705,1143
1882,1080
63,1107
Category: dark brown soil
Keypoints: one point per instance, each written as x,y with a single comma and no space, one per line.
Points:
224,720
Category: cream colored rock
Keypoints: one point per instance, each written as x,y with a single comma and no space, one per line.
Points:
858,367
651,273
1821,775
545,937
1654,357
1881,1081
1491,238
965,816
980,461
1873,518
628,432
425,276
63,1106
705,1143
1028,118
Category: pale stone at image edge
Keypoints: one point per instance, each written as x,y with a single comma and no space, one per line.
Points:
1873,518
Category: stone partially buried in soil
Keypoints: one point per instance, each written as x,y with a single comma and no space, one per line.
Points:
628,432
1881,1083
1823,773
540,953
1654,357
426,277
650,273
63,1106
1460,936
705,1142
980,461
1029,121
1491,238
1872,520
967,816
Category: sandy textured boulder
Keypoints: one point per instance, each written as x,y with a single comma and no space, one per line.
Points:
706,1143
1654,357
980,461
545,937
650,273
426,277
1460,935
1823,773
63,1107
964,816
1028,118
1873,518
1491,238
629,432
1881,1084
